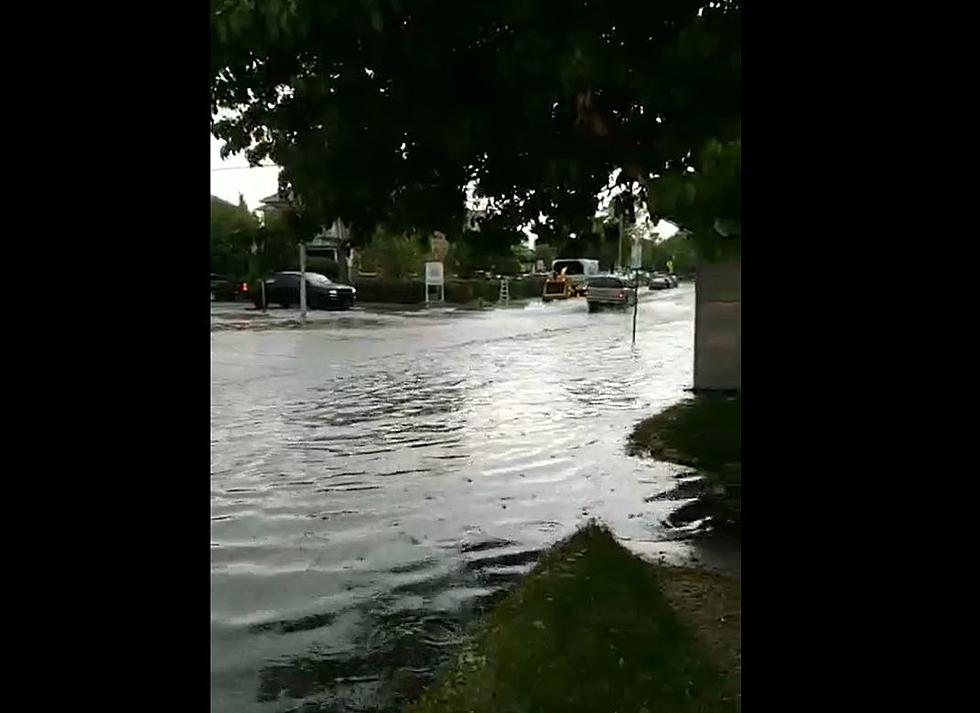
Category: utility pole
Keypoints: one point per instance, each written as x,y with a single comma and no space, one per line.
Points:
620,263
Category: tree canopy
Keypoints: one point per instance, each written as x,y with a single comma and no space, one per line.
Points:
232,231
383,111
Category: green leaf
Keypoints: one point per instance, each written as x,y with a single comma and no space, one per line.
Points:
484,92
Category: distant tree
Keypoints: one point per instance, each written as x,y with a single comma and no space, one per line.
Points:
599,242
491,248
680,247
233,230
545,253
393,256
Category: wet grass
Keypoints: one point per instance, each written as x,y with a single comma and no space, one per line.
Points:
704,433
594,628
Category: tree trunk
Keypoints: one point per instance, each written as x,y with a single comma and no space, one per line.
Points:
343,269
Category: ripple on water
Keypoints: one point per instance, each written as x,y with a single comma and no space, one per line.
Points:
367,504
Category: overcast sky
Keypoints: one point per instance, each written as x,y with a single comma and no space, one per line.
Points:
233,176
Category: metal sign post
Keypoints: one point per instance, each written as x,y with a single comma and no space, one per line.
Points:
255,268
636,300
302,281
637,263
434,277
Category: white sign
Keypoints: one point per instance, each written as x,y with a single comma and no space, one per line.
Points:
433,273
434,278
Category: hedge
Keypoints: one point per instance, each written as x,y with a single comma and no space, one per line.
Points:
323,265
407,292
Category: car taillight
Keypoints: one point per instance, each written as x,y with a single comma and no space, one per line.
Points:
244,287
622,295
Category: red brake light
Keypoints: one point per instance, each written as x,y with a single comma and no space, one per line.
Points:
244,287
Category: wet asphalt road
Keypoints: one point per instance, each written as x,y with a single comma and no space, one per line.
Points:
378,480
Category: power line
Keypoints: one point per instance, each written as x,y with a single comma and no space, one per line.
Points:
244,168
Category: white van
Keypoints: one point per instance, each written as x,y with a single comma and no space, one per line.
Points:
577,270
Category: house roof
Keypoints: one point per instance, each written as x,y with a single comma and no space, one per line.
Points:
276,200
215,199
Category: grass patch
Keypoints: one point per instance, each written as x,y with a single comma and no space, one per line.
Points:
705,433
592,628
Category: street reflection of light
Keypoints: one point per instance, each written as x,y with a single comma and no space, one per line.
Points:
368,484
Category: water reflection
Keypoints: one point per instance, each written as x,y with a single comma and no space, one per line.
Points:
371,493
398,639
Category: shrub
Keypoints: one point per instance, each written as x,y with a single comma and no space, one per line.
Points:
526,288
394,256
323,265
379,289
407,292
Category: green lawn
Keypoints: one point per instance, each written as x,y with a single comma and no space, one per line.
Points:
590,629
705,433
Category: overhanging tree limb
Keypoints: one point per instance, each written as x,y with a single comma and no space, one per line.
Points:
382,111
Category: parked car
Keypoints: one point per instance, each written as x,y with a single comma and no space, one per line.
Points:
662,281
282,288
641,276
609,291
224,289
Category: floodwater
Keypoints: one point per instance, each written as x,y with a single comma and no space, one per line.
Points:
376,483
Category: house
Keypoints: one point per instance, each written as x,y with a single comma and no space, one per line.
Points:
324,244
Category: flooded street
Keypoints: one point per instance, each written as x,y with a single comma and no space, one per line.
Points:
376,481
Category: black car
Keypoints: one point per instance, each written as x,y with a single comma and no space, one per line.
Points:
224,289
282,288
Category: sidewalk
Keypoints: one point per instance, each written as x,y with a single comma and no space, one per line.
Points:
239,315
242,315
